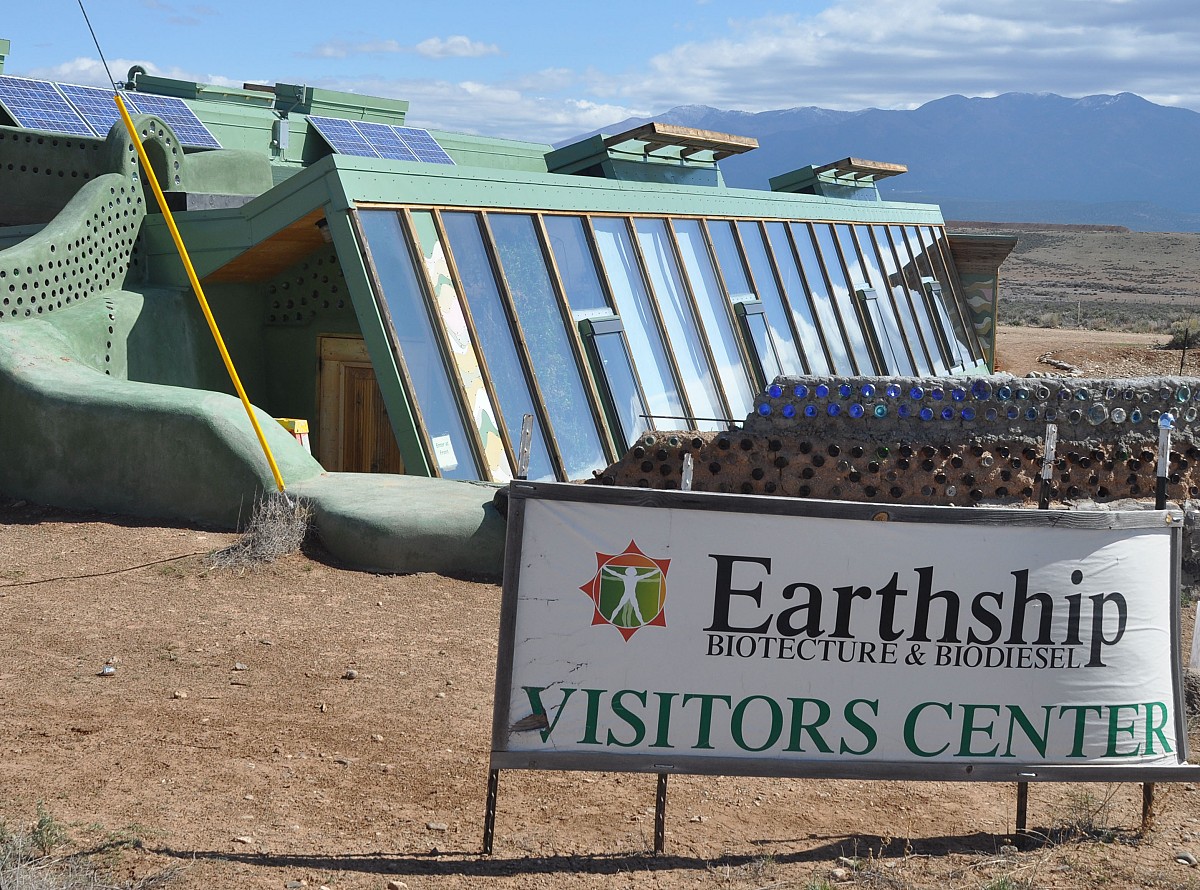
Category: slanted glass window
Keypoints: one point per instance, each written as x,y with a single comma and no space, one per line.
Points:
893,280
802,311
633,305
606,342
496,338
935,338
416,340
576,268
864,267
842,336
548,342
768,292
708,411
854,319
959,355
758,335
935,244
465,360
714,314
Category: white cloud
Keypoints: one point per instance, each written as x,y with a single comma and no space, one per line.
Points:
90,72
341,49
433,48
456,46
896,53
852,54
492,109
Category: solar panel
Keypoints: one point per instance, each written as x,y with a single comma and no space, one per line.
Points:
177,115
342,137
95,105
37,105
423,145
384,140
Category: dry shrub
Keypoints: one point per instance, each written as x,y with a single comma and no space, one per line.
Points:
277,528
1185,330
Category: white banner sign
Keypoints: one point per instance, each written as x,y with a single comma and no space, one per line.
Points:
660,637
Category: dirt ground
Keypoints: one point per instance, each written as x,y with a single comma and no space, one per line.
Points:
230,746
302,725
1093,353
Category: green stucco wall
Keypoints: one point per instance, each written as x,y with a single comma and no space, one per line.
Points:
77,437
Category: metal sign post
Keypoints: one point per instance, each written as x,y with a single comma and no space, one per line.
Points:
660,796
1165,423
493,789
523,449
1048,448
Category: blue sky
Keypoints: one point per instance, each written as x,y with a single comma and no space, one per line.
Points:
547,71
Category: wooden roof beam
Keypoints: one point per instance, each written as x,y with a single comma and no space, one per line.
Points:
857,168
691,140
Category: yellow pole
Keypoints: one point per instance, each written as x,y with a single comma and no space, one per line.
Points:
191,273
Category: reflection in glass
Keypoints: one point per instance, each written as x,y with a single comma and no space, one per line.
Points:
758,334
714,315
548,343
568,243
836,335
768,292
413,328
894,282
935,244
802,310
496,338
680,322
633,305
842,296
935,339
895,348
932,289
616,372
729,260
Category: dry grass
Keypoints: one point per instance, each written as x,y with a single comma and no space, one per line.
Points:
34,859
277,528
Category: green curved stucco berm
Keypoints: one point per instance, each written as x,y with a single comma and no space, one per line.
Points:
87,421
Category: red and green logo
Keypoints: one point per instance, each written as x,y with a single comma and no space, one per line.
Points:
629,590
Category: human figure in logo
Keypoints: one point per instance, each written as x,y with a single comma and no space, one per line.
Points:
630,579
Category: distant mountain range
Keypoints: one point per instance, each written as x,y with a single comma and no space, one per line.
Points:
1019,157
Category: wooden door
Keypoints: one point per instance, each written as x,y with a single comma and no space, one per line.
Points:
355,435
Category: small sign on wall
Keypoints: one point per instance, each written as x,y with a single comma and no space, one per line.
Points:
705,633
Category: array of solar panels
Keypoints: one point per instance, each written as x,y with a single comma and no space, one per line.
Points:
90,111
365,139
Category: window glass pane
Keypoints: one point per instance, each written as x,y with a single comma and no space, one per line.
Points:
935,243
894,282
932,289
843,296
496,338
682,331
548,342
934,338
887,327
715,316
617,368
760,336
802,311
568,243
462,352
764,277
415,333
633,305
823,301
730,261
